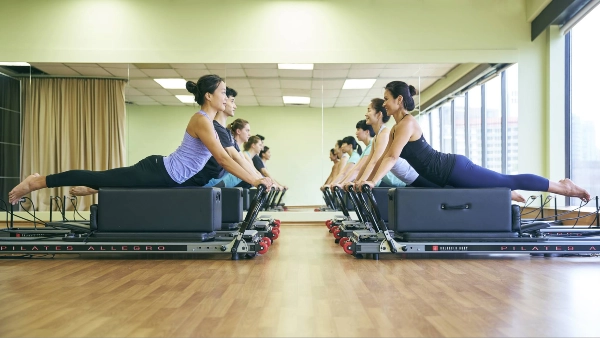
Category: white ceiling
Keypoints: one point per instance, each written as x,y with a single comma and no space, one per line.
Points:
258,84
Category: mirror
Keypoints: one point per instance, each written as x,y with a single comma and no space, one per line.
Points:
298,135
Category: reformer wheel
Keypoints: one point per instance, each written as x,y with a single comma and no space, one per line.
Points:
336,234
278,222
348,248
333,228
328,223
343,240
275,233
267,240
264,247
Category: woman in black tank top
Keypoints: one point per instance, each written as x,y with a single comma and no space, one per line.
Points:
407,141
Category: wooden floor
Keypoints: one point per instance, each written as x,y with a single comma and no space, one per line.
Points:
305,286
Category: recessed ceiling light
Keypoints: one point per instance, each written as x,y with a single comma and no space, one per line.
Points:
301,66
296,100
358,83
23,64
186,98
171,83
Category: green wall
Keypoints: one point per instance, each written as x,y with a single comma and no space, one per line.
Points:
299,149
335,31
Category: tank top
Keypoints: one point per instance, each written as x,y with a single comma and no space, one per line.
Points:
367,150
354,158
428,162
189,158
400,171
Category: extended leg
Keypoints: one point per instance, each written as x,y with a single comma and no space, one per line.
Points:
466,174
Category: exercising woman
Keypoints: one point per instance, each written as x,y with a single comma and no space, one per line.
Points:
354,151
407,141
200,142
376,117
333,157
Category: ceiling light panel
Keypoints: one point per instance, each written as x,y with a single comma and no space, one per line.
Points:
16,64
358,84
296,100
302,66
171,83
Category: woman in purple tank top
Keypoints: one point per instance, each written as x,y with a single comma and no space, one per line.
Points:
200,142
407,141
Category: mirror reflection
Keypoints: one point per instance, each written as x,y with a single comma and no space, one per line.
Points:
301,111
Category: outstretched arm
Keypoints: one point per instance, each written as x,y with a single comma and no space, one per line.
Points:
201,127
381,145
401,135
239,159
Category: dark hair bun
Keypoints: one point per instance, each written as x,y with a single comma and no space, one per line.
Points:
191,87
412,90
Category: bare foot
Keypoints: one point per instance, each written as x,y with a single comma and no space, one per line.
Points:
573,190
515,196
82,191
21,189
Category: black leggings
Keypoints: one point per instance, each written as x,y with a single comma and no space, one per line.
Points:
149,172
422,182
467,174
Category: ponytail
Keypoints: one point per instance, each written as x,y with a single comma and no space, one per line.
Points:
352,141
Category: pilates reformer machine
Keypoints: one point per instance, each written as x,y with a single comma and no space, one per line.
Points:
151,220
330,201
466,221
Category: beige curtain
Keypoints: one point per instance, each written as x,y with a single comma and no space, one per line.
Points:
71,123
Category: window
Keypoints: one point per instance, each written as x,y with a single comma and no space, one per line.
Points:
474,113
459,125
493,125
483,128
424,122
435,129
446,115
512,120
585,124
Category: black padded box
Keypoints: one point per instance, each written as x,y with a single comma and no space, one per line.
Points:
381,197
246,199
450,210
185,209
231,205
